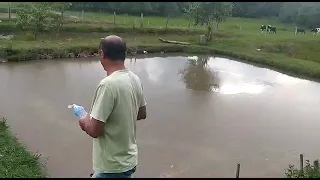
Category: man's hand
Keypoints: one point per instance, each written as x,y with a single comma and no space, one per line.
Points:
82,124
91,126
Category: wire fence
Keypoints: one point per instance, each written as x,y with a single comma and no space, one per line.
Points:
91,18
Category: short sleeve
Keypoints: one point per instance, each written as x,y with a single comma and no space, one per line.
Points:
103,103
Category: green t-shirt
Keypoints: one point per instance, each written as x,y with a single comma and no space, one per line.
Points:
116,103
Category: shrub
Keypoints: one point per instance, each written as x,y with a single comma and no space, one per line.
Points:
309,171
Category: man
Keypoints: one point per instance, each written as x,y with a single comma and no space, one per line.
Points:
118,103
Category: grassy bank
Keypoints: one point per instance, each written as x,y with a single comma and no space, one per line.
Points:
238,38
20,49
15,160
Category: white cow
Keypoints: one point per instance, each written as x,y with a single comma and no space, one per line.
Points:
315,31
265,28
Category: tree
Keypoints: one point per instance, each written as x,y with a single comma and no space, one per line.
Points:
256,9
126,6
112,6
58,15
301,13
132,8
170,9
32,17
221,11
206,13
140,7
289,12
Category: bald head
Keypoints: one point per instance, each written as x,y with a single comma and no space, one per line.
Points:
114,49
113,38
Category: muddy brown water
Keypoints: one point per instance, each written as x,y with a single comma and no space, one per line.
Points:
201,120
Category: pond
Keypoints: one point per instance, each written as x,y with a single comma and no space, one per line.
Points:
203,116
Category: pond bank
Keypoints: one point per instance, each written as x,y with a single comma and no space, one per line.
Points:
295,67
16,161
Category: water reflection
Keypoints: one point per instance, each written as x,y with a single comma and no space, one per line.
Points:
234,79
249,88
218,75
197,75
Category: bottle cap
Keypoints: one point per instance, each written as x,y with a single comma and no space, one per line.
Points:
71,106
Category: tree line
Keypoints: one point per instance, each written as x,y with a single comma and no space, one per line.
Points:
303,14
132,8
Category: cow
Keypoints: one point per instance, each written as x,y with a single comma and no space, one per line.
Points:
315,31
268,29
300,30
264,28
273,30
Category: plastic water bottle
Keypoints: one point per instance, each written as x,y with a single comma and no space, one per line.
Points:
78,111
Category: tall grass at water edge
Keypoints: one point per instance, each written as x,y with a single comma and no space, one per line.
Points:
15,160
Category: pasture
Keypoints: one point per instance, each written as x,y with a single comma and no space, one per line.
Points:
238,36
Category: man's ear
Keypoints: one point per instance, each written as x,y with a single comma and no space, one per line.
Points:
101,53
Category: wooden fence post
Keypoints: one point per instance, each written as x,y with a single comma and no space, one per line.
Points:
167,20
238,170
301,163
9,10
114,18
82,13
141,20
316,164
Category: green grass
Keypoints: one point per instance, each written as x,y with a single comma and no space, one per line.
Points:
15,160
6,4
85,39
248,39
4,9
125,20
238,37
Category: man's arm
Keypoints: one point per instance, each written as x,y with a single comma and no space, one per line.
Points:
102,107
92,126
142,113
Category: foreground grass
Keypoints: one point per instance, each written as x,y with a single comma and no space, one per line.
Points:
15,160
